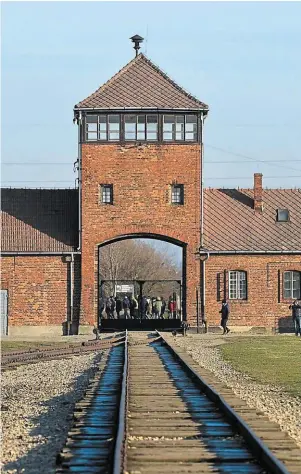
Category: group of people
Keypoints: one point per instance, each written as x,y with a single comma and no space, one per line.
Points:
130,307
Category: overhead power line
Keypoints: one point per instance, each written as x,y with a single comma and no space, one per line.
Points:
249,157
250,177
65,163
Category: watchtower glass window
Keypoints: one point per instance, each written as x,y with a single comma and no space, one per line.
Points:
141,128
180,128
102,127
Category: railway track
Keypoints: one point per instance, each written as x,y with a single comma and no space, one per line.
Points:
148,411
12,360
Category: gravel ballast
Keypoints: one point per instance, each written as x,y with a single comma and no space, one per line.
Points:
278,405
37,403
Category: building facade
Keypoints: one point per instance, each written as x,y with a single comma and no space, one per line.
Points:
140,175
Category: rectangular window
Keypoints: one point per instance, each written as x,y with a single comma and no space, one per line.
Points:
151,127
114,127
102,127
140,127
177,194
106,193
237,285
191,128
292,285
130,127
91,128
180,128
282,215
168,127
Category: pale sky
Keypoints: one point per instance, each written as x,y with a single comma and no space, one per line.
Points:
241,58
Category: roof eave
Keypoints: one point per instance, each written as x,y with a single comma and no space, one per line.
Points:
251,252
204,109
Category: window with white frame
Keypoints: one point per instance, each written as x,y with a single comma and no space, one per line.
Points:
237,285
102,127
106,193
140,127
180,128
177,194
292,285
91,127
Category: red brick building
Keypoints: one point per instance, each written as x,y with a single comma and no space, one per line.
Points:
140,156
254,242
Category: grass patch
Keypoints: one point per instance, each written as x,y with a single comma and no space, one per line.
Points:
267,359
11,346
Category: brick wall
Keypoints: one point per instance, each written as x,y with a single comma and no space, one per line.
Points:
265,305
38,290
141,176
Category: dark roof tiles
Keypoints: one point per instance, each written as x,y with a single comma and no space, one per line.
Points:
39,220
231,224
141,84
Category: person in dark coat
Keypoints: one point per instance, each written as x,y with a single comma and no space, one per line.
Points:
225,311
144,306
163,308
296,315
126,307
118,306
101,306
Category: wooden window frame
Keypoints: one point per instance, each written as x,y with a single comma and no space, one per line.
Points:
160,124
291,297
237,297
103,188
181,188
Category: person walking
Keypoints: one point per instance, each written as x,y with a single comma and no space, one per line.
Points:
148,307
172,308
296,315
143,307
118,306
109,308
126,307
225,311
163,308
133,306
158,307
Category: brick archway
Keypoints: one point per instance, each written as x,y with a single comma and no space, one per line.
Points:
153,236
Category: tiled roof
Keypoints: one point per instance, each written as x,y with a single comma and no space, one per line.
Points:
230,222
39,220
141,84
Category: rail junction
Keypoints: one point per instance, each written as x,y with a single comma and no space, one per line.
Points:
148,410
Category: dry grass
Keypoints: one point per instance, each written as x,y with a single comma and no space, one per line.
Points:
10,346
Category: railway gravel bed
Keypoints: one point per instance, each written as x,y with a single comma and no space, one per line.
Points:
277,405
37,405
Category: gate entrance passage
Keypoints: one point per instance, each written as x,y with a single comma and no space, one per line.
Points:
140,304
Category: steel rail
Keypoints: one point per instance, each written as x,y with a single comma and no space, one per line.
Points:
120,450
37,355
262,453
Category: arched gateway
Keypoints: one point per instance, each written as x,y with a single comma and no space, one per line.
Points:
140,140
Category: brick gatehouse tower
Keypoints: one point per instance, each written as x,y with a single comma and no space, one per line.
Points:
140,138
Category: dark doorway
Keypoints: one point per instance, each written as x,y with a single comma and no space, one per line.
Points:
141,285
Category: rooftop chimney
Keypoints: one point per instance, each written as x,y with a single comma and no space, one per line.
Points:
258,201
